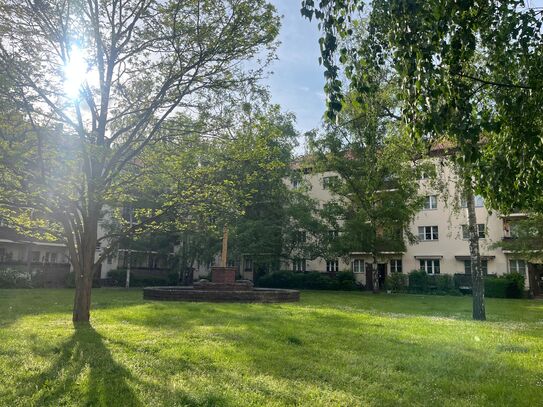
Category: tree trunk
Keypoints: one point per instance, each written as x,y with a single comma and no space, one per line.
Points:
84,267
82,300
477,282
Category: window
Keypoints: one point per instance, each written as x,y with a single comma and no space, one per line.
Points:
307,170
295,183
484,267
46,258
98,246
517,266
298,265
332,234
110,259
396,266
300,236
431,266
513,230
480,228
35,256
427,172
332,266
327,181
358,266
428,233
430,202
479,202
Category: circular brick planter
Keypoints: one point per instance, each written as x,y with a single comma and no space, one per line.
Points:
189,293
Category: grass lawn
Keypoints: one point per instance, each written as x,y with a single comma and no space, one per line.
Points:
331,349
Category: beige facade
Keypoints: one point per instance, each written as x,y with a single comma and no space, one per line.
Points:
442,247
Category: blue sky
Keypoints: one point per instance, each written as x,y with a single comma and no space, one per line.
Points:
297,80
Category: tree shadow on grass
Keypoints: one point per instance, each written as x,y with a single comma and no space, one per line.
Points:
85,369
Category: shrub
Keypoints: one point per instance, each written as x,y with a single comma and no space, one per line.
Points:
418,282
495,287
396,282
118,278
508,286
443,283
515,286
14,278
312,280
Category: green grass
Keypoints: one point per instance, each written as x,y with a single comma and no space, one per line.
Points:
331,349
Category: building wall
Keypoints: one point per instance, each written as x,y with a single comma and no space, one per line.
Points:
450,249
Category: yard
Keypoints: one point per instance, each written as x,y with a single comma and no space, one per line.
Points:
331,349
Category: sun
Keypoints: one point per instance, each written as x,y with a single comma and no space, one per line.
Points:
75,72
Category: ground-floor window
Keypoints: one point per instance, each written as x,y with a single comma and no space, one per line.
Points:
431,266
358,266
298,265
396,266
332,265
517,266
484,266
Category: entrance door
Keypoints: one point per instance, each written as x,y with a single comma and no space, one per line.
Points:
382,272
369,277
535,278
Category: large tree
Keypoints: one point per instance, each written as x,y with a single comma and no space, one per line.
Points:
276,212
469,70
375,196
96,81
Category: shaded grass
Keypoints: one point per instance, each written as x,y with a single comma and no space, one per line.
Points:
333,348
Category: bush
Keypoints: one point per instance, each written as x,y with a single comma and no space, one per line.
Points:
418,282
15,278
312,281
396,282
118,279
495,287
515,287
422,283
443,283
508,286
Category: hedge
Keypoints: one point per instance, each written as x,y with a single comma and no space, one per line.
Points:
422,283
510,285
118,278
396,282
15,278
312,281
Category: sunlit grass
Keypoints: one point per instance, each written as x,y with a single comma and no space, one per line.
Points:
331,349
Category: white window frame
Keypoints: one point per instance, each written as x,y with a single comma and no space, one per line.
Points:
425,231
430,266
430,202
394,266
358,266
517,268
481,230
479,202
299,265
484,267
332,266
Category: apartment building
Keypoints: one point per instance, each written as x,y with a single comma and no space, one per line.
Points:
47,262
441,227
